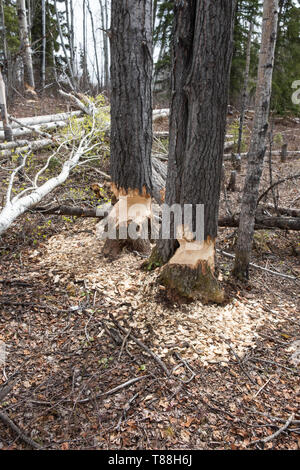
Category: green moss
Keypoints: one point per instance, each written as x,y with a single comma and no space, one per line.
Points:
154,261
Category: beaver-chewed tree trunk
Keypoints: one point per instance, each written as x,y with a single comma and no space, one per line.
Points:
202,50
258,140
131,120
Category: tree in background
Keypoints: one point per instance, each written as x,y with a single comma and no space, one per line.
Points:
287,57
29,83
258,140
247,12
44,45
162,34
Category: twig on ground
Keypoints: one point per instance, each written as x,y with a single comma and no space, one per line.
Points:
229,255
258,359
265,440
5,419
239,360
123,344
262,387
141,344
99,395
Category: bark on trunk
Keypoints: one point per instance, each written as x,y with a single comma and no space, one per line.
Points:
44,44
95,48
201,66
7,131
71,77
131,107
245,88
25,44
104,21
258,140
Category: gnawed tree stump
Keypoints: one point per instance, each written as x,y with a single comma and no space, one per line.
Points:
190,272
128,223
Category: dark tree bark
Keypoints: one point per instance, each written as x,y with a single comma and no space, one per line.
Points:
258,140
131,101
202,49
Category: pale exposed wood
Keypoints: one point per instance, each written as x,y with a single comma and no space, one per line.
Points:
131,207
191,253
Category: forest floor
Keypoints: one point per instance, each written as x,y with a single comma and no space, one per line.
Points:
201,377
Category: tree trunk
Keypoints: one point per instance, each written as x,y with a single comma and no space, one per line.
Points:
104,21
71,72
25,45
44,44
131,111
245,88
3,32
258,140
8,135
95,48
201,68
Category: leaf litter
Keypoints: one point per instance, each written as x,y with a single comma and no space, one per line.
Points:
206,333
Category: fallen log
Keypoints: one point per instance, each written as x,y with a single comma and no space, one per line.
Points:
283,223
275,153
68,211
29,146
292,212
88,108
262,222
160,113
14,144
50,126
44,119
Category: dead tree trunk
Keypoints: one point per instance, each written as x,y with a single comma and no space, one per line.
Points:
201,67
258,140
131,115
26,48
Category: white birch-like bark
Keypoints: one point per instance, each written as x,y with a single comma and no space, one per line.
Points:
44,43
95,46
39,129
29,197
7,131
62,40
245,87
104,21
39,120
26,47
